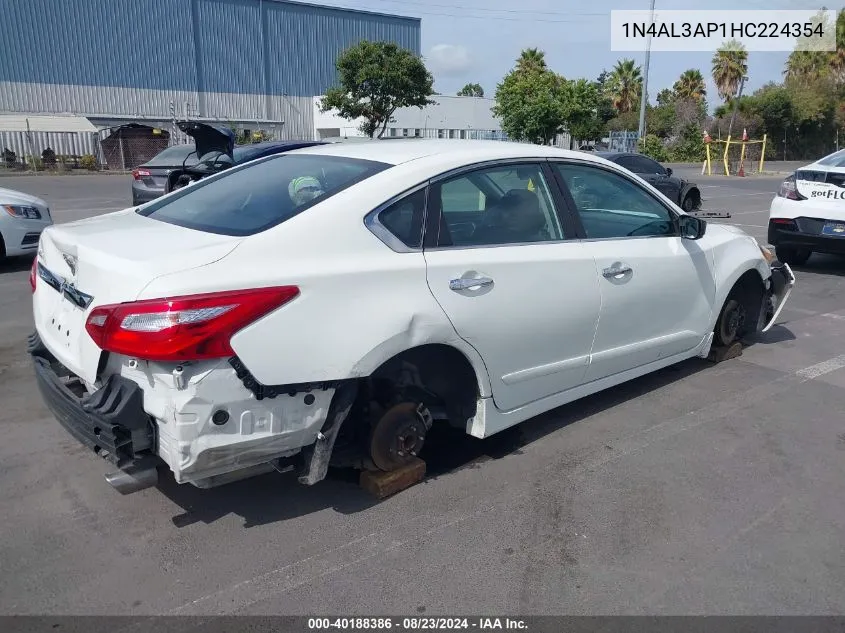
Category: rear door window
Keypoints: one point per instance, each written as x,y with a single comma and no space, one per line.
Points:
252,198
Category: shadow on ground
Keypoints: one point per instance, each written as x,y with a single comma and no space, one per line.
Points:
277,497
15,264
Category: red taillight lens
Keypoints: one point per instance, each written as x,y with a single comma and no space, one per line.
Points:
788,189
33,274
137,174
182,328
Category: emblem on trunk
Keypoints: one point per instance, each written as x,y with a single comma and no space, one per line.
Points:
70,260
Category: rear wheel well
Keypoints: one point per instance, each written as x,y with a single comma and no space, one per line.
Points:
695,194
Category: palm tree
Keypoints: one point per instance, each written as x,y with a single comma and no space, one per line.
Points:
806,65
729,66
531,59
626,83
690,85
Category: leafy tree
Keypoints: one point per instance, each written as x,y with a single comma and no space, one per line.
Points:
660,120
377,78
471,90
652,146
531,104
626,83
690,145
626,121
729,65
531,59
666,97
581,110
690,85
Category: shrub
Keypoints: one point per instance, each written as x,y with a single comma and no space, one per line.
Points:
34,163
88,162
653,147
689,148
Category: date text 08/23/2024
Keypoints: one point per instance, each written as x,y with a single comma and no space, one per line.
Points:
418,623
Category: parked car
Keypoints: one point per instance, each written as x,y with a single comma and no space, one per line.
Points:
807,215
22,219
330,304
682,192
214,150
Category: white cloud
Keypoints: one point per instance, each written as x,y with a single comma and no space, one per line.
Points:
448,59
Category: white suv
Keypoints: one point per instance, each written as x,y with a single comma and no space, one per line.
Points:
331,304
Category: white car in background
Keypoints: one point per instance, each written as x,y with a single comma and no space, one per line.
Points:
22,219
329,305
807,214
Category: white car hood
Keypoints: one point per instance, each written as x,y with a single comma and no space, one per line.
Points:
10,196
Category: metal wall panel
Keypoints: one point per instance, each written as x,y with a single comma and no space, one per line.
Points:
185,46
65,144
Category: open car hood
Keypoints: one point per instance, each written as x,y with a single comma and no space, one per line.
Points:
209,138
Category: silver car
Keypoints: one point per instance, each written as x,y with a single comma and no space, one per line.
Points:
150,179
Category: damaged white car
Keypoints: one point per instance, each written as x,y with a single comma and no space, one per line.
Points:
329,305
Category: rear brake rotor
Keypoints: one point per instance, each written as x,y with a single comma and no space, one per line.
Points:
399,435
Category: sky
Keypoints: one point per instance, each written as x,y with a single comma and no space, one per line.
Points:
478,41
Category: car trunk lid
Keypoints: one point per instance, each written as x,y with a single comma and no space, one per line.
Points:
104,260
824,187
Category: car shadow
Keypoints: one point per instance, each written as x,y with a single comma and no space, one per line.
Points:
278,497
778,333
823,264
16,264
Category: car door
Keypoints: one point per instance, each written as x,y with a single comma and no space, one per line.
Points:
502,264
654,174
657,289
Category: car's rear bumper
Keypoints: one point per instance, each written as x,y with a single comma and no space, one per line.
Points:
805,233
142,194
111,421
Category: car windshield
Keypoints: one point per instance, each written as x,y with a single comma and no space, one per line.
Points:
252,198
173,156
837,159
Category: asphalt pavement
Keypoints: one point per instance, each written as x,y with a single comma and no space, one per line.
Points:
700,489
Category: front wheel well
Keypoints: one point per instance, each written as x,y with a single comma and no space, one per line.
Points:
695,194
749,291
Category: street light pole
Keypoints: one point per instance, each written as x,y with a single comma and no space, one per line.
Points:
644,94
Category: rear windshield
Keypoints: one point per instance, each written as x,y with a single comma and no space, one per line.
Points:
173,157
249,199
837,159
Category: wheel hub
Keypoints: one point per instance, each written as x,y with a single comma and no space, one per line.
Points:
399,435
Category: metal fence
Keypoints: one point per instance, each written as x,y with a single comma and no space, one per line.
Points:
623,141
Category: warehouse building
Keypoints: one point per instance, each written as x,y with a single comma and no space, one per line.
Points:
251,64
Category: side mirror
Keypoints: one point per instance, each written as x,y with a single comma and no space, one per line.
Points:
668,171
692,228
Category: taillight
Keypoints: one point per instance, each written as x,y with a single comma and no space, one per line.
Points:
33,273
182,328
137,174
788,189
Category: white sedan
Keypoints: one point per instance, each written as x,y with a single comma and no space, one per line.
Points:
331,304
808,213
22,219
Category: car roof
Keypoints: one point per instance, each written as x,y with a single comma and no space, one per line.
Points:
404,150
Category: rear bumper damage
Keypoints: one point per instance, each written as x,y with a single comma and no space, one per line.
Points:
202,420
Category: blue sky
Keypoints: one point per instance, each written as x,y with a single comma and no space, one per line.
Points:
479,40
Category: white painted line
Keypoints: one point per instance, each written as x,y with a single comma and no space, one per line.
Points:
820,369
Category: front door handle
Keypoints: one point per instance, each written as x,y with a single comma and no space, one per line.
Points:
467,283
617,270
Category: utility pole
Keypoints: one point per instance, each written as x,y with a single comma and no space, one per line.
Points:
644,93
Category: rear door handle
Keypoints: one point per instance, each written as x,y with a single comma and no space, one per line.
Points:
617,270
467,283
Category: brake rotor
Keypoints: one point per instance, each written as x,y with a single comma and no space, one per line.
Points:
399,435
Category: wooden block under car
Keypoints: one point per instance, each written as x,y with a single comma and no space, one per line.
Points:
381,484
718,354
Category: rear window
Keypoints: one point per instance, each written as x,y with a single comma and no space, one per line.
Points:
173,156
252,198
837,159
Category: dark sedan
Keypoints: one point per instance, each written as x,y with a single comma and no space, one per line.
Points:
150,180
684,193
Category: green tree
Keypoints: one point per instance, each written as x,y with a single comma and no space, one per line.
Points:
377,78
652,146
625,83
471,90
581,110
531,59
728,66
690,85
531,104
666,96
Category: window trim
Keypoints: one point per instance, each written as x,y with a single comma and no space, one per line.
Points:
373,222
618,171
433,216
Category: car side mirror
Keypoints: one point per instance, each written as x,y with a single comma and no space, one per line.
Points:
668,171
692,228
